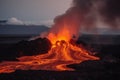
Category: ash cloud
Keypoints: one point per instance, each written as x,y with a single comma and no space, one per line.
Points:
88,15
111,12
95,11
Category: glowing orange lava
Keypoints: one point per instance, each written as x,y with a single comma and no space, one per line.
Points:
61,54
63,34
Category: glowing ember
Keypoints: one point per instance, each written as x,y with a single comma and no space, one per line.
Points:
61,54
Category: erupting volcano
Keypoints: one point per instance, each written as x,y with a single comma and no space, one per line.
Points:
62,52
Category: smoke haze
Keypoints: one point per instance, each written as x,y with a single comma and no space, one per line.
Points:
88,14
95,12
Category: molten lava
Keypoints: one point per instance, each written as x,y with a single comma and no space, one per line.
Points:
62,53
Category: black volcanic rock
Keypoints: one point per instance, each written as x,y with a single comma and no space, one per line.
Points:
25,48
33,47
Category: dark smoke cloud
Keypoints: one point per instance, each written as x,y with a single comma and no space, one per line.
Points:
111,12
88,15
108,11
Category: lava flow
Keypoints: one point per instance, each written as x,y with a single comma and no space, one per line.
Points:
62,53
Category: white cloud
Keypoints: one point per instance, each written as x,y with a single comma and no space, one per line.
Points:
14,21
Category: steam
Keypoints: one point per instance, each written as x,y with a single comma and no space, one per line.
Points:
88,14
14,21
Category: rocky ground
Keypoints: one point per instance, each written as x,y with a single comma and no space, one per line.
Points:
107,68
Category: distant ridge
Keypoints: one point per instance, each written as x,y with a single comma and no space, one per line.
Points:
22,29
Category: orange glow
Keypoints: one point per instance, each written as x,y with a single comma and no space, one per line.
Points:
64,34
61,54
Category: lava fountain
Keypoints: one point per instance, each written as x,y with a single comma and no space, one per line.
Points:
61,54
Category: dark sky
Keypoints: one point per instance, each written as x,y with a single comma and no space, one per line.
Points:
33,10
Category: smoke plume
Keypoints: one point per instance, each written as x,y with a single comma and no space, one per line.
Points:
99,11
88,14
